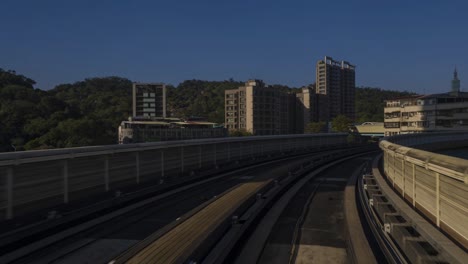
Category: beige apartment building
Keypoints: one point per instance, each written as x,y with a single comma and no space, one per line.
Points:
427,113
260,109
265,110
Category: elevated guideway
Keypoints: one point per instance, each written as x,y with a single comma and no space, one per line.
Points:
51,191
414,201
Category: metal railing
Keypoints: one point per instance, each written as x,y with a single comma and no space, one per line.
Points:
34,180
435,184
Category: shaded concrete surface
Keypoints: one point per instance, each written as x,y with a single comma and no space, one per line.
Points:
312,229
133,226
101,252
324,227
320,254
112,238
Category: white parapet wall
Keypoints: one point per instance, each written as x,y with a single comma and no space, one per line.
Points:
434,184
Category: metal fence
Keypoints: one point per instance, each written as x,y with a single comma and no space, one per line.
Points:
435,184
32,180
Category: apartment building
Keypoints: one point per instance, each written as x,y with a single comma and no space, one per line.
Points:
427,113
260,109
149,100
335,81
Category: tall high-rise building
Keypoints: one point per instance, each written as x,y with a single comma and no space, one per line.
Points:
149,100
260,109
336,81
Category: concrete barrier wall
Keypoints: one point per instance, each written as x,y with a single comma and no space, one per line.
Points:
435,184
32,180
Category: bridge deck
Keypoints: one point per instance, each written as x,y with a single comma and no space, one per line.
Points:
180,242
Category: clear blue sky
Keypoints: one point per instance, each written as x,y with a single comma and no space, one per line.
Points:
402,45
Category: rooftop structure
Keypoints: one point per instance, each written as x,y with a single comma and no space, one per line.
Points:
373,129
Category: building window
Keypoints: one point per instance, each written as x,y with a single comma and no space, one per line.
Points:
392,124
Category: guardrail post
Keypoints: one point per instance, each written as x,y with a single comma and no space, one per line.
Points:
215,154
9,193
182,159
199,156
65,181
106,173
394,171
240,150
414,186
403,175
229,151
387,164
162,164
437,199
137,164
252,150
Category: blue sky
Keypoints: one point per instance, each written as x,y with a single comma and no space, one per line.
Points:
400,45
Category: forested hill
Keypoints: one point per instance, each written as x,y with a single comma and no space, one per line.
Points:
88,112
199,98
80,114
370,103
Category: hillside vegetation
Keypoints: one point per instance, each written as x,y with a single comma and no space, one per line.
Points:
88,112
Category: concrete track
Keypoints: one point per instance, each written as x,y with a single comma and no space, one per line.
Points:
312,228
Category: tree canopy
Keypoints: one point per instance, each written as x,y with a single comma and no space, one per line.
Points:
341,123
88,112
315,127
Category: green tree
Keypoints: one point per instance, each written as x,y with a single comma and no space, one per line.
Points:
239,133
341,123
314,127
